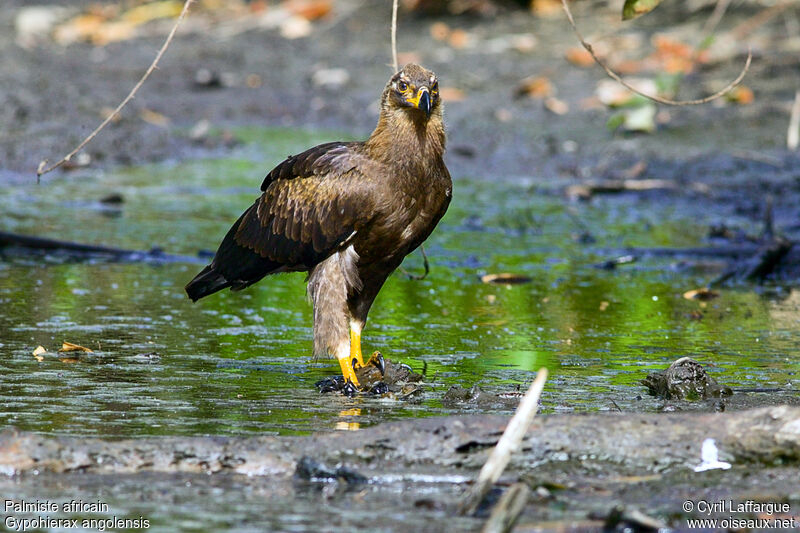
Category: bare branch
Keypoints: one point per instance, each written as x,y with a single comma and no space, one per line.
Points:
666,101
44,169
394,36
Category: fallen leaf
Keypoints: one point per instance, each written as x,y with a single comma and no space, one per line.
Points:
458,39
69,360
603,305
309,9
534,87
740,95
505,278
579,56
70,347
675,56
546,8
554,105
637,8
151,11
37,353
440,31
702,294
154,117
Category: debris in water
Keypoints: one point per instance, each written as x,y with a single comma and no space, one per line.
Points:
685,379
505,278
709,454
312,470
703,294
70,347
37,353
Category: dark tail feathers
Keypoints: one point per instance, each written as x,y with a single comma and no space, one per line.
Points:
208,281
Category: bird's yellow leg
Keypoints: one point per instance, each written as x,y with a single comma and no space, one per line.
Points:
356,359
348,371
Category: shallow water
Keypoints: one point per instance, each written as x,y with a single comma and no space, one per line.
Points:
238,363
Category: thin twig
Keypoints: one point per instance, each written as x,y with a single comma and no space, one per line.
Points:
394,35
44,169
793,135
666,101
425,264
509,443
745,28
716,16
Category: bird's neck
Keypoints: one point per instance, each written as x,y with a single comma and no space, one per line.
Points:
408,138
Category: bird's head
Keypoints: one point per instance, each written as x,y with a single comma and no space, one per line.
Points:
415,88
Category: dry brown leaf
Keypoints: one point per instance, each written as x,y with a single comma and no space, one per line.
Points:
458,39
70,347
78,28
505,278
554,105
154,117
579,56
535,87
741,95
674,56
440,31
309,9
703,294
38,352
151,11
546,8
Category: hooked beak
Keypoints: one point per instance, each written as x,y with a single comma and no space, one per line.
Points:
422,101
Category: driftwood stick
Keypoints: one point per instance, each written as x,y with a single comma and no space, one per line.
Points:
507,511
508,444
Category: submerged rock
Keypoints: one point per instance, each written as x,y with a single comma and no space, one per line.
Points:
685,379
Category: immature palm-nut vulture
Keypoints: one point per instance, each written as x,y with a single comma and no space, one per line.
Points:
347,213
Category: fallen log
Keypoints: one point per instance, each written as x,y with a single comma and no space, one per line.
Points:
16,244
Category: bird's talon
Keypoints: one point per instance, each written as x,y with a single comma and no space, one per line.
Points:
349,389
355,364
379,362
379,389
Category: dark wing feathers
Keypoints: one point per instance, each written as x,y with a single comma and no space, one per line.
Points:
315,161
311,205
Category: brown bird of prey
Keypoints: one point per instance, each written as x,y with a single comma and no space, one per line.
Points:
347,213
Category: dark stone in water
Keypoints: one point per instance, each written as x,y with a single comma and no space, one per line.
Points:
685,379
309,469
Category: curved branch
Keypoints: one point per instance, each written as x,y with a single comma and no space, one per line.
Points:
394,35
44,169
666,101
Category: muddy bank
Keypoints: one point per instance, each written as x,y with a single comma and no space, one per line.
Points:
585,471
641,441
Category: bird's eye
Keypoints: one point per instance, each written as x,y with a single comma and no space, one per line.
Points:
435,88
402,86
